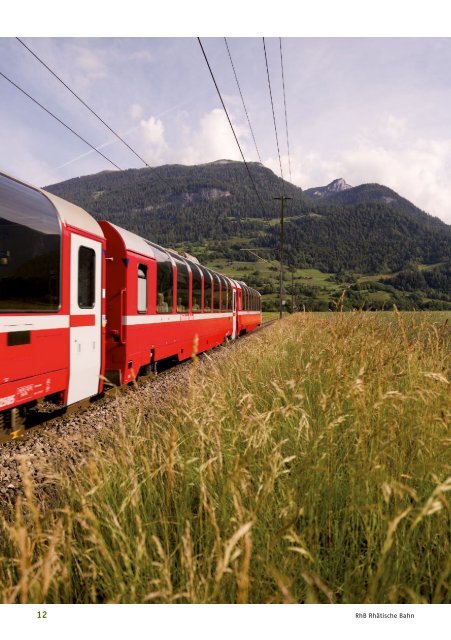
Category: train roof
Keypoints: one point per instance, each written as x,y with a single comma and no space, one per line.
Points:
68,213
133,242
73,215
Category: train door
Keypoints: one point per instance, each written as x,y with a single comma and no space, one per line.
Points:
234,314
85,318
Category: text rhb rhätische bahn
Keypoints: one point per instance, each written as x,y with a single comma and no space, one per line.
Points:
81,299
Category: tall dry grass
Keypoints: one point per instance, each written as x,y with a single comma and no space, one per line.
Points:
309,463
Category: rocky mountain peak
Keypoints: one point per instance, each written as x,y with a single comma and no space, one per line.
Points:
338,185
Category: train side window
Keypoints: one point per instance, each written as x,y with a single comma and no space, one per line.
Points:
223,293
30,250
197,289
207,290
165,284
182,287
86,277
229,295
225,296
216,294
142,288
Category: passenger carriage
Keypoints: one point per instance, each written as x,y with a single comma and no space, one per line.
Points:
80,300
51,299
160,305
249,309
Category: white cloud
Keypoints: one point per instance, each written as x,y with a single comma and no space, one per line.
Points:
211,140
394,126
418,171
152,131
135,111
208,140
90,64
308,168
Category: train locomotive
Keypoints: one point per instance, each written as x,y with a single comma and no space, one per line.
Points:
82,301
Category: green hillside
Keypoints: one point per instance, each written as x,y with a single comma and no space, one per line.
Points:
212,211
374,193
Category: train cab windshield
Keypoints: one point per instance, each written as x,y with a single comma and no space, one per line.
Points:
30,250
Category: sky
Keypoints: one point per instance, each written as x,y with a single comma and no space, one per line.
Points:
363,109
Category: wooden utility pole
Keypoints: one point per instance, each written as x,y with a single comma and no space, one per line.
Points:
282,202
292,291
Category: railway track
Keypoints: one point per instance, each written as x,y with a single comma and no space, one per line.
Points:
45,414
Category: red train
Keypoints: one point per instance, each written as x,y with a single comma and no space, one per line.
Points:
82,300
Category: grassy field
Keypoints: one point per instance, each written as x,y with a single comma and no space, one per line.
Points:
267,316
313,287
309,463
269,271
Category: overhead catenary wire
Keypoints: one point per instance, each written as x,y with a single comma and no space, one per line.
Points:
281,198
285,108
59,120
55,75
242,100
273,114
231,125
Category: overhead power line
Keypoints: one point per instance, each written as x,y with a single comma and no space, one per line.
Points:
272,106
242,100
285,107
256,254
231,126
59,120
55,75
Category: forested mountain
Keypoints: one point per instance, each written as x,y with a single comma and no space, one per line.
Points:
213,211
338,192
360,228
177,203
367,238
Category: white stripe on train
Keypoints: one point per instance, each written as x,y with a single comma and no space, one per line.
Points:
178,317
32,323
40,323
